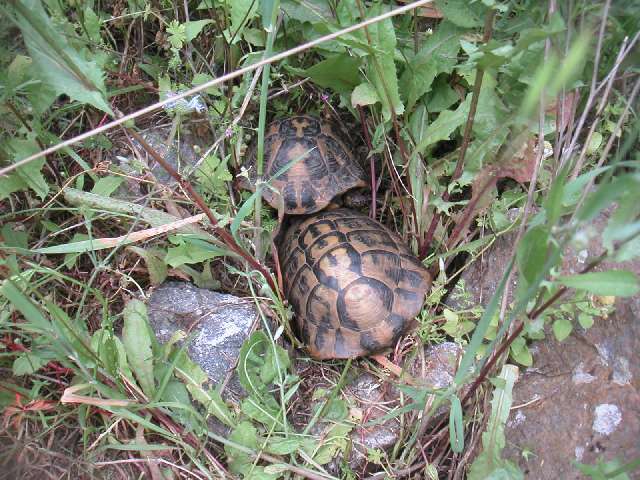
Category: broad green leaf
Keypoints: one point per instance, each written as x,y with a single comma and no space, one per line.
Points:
522,355
269,13
194,378
136,337
381,67
251,362
17,71
28,176
92,25
258,368
489,464
532,253
562,328
489,113
619,283
313,11
585,320
193,28
191,249
276,362
283,446
629,251
623,223
244,434
213,174
444,125
553,202
363,95
240,462
604,195
336,410
105,186
156,266
594,144
242,12
462,12
333,440
442,95
14,237
21,302
575,188
199,79
28,363
262,409
339,73
59,65
104,345
438,54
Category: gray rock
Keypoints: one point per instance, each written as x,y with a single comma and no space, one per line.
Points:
182,153
374,398
221,322
581,399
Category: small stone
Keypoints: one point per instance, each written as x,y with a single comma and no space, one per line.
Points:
372,397
182,153
221,324
621,372
607,418
518,419
580,376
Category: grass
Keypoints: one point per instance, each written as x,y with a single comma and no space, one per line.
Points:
453,115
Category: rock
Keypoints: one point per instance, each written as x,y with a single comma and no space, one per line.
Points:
222,323
581,399
440,364
183,154
373,398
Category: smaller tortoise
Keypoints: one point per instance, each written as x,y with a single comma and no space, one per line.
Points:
322,166
354,286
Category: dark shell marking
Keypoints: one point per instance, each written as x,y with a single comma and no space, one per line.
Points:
354,286
308,162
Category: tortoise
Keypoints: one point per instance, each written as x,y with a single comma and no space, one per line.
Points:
307,160
354,286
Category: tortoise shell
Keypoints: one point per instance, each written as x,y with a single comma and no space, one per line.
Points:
354,286
308,162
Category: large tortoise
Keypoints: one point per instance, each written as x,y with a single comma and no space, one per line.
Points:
353,284
305,159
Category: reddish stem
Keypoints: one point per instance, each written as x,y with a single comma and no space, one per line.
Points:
466,138
372,166
226,237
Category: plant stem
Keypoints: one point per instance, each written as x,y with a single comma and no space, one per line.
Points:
226,237
466,138
271,29
372,165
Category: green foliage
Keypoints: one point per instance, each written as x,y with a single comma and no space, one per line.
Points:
59,66
620,283
611,470
489,463
28,176
136,337
412,79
